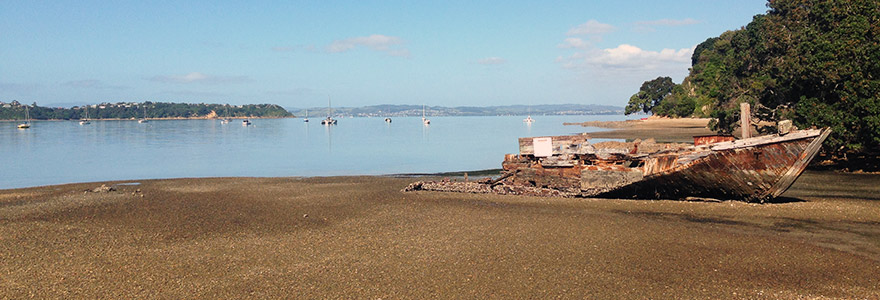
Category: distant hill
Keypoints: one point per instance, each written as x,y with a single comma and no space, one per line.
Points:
133,110
390,110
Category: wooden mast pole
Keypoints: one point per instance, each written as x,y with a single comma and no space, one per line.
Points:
745,116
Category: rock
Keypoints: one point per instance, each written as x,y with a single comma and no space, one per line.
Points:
103,189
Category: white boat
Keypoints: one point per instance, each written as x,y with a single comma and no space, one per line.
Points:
86,120
387,120
27,119
529,119
329,121
425,120
245,122
226,120
306,119
144,120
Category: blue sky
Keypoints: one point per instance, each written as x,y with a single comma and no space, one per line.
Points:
297,53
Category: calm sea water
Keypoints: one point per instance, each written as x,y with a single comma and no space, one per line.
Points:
57,152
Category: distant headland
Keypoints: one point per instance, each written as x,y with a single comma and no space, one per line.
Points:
135,110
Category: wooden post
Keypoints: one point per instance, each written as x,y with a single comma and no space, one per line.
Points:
745,116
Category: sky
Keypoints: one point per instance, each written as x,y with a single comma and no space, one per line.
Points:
357,53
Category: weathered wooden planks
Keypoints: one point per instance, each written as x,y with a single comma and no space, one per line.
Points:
563,144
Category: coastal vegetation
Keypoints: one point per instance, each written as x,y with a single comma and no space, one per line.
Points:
133,110
815,62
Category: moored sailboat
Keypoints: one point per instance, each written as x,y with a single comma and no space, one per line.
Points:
329,120
27,118
529,120
144,120
86,120
424,119
226,119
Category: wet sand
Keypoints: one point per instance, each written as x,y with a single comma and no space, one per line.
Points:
361,237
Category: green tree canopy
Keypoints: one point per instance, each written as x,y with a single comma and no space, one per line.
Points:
815,62
650,95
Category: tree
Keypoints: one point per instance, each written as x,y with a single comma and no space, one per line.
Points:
650,95
815,62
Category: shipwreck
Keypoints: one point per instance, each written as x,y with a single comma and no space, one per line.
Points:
753,169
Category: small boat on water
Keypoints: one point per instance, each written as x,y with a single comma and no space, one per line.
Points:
27,119
306,119
424,119
329,121
245,122
751,169
86,120
144,119
529,120
387,120
226,120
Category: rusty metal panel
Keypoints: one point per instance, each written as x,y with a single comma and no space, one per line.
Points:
700,140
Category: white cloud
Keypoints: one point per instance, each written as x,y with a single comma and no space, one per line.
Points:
576,43
628,56
591,27
391,45
492,61
197,77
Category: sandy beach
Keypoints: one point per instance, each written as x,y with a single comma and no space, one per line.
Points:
361,237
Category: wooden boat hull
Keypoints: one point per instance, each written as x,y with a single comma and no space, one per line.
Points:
753,172
754,169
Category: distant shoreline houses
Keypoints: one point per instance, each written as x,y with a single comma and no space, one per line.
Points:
138,110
